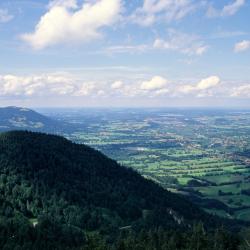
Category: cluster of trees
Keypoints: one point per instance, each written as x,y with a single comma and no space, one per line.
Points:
18,234
197,183
245,192
221,193
195,239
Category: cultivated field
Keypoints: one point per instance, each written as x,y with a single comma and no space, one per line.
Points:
203,154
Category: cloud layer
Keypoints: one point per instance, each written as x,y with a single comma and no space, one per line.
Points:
66,85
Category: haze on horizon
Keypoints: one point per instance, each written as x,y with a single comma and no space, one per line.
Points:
143,53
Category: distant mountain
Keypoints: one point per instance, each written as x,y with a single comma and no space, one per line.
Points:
16,118
55,191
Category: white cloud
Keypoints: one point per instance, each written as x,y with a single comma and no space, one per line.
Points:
64,3
241,46
101,93
5,16
156,83
241,91
66,22
85,89
162,92
11,85
232,8
131,91
228,10
117,85
209,82
201,86
168,10
188,44
184,43
55,85
44,85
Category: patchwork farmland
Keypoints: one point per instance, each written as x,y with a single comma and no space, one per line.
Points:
204,155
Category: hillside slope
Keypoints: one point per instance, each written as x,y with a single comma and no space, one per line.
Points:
46,176
16,118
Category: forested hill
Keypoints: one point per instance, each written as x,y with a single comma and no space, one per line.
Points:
16,118
53,191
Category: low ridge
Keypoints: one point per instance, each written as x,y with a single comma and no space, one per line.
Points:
18,118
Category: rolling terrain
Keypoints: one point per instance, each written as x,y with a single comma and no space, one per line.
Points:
201,153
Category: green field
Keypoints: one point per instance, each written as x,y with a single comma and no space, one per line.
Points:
194,152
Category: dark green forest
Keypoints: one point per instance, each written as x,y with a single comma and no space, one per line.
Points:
55,194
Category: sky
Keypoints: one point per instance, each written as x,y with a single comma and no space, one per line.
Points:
125,53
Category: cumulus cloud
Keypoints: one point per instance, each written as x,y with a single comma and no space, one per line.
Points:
184,43
45,85
168,10
209,82
11,85
242,46
156,83
5,16
201,86
66,22
117,85
155,86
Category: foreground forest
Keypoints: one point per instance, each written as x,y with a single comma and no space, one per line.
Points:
55,194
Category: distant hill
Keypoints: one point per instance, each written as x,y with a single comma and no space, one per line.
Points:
16,118
65,189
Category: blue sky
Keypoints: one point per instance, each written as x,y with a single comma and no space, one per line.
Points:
125,53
